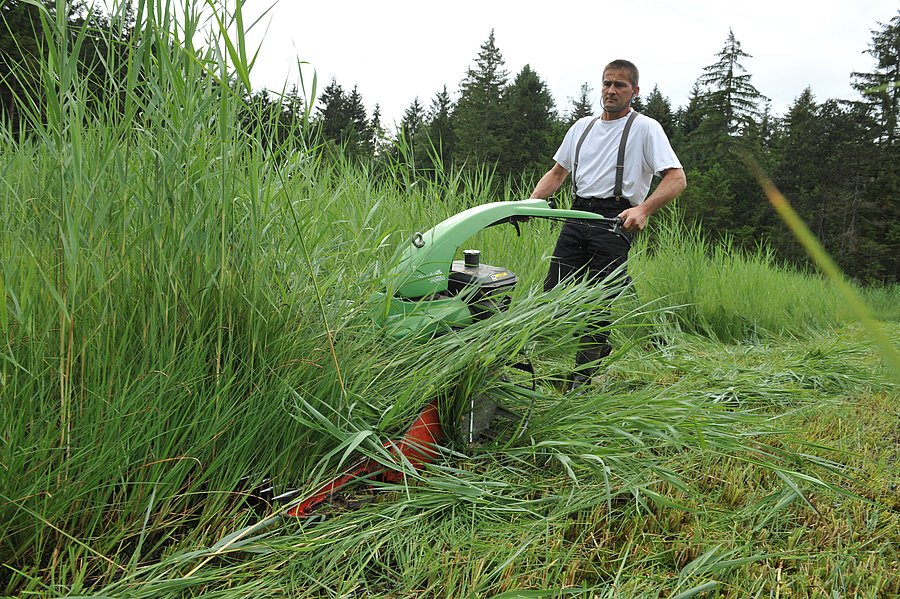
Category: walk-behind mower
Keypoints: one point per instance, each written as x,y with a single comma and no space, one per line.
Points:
430,293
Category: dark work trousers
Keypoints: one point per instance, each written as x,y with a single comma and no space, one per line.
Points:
586,247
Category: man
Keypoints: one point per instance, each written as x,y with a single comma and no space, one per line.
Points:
591,150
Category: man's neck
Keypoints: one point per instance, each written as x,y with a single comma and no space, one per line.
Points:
612,116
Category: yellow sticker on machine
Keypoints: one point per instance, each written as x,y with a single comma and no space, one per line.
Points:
499,275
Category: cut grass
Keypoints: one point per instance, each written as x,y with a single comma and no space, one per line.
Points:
488,525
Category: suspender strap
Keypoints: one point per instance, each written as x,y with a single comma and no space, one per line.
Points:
620,160
577,151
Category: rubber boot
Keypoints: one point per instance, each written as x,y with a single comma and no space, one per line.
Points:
587,362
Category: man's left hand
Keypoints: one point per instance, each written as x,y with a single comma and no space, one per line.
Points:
634,219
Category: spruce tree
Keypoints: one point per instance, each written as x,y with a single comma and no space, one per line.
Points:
836,177
342,120
358,135
411,123
530,118
881,102
295,107
377,134
581,106
722,112
478,117
637,103
730,93
658,107
439,128
799,173
333,113
881,88
688,119
407,150
843,203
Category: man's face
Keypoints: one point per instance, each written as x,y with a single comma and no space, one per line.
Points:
617,90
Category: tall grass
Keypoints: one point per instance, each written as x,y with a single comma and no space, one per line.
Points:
184,307
726,293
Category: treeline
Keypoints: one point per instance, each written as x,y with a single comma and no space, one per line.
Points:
838,161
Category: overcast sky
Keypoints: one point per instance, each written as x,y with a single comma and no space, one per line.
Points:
396,50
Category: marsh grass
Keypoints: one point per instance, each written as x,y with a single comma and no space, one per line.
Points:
184,307
726,293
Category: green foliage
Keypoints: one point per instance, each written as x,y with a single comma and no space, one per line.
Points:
839,165
834,178
412,121
439,127
879,88
709,201
659,108
96,41
280,122
343,122
21,49
530,117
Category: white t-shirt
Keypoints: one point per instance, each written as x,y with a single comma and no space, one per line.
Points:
647,153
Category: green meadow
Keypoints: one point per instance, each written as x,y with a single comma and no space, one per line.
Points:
184,308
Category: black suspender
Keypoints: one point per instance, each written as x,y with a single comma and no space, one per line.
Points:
577,151
620,159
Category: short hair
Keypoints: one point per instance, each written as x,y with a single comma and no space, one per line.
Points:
624,65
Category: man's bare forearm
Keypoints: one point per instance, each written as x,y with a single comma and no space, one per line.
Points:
673,182
550,182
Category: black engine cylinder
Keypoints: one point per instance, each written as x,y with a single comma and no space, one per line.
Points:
486,287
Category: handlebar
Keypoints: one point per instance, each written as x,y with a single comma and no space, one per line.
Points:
552,213
423,268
